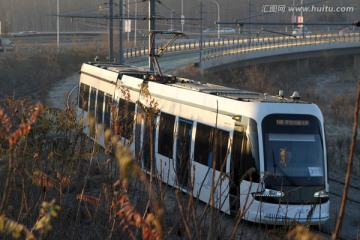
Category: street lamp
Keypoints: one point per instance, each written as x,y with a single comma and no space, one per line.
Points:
135,25
171,19
293,20
218,18
182,15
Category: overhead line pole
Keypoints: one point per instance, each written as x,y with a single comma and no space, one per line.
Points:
58,26
201,30
251,20
120,16
111,29
135,25
128,15
151,35
120,55
182,15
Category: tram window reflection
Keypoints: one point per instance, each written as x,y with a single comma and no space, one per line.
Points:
166,135
107,114
84,96
99,106
204,145
125,119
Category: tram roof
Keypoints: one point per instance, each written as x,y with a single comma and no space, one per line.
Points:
184,83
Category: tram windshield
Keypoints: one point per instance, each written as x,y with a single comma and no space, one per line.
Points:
293,150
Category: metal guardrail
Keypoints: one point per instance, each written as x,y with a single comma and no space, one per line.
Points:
216,48
190,45
230,45
265,44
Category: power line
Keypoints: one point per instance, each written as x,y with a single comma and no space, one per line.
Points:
237,22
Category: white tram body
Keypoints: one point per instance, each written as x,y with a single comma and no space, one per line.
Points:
267,153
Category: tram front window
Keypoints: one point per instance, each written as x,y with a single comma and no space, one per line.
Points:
293,150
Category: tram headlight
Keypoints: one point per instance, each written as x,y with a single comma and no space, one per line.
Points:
321,194
268,193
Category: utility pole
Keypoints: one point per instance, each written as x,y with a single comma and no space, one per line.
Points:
128,16
293,16
120,55
302,19
201,30
135,25
111,29
182,16
250,15
171,19
151,35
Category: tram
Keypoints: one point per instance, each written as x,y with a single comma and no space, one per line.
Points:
263,155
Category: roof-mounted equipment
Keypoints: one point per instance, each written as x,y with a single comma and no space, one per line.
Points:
295,96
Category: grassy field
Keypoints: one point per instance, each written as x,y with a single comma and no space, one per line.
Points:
33,74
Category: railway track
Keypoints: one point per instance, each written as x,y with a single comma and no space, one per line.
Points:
351,219
352,189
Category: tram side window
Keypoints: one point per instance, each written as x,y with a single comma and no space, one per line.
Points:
92,111
84,96
204,145
99,106
125,120
107,114
166,135
92,102
147,154
223,150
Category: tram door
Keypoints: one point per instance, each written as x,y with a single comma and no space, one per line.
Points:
148,144
183,148
235,177
242,160
92,112
137,139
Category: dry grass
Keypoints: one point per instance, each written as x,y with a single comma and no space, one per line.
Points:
33,73
54,164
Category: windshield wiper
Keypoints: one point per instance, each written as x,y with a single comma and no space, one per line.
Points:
274,164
